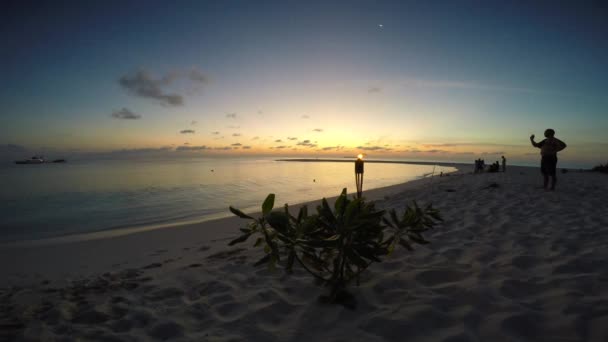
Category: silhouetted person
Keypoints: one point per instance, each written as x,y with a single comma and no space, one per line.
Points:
548,150
504,164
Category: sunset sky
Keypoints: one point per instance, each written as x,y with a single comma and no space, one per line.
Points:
437,80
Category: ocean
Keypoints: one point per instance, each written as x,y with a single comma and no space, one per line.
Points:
80,197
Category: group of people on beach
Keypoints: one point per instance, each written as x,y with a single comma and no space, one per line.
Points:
480,165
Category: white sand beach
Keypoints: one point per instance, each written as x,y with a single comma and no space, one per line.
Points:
511,262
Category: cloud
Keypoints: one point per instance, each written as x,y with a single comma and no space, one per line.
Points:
306,143
231,115
374,90
125,114
317,130
193,123
237,144
224,148
255,138
329,148
236,134
187,131
280,147
192,148
278,141
143,150
305,117
215,133
246,147
233,127
373,148
142,84
292,138
197,76
491,153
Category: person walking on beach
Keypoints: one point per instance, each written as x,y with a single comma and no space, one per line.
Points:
504,164
548,150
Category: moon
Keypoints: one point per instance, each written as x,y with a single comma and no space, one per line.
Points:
380,25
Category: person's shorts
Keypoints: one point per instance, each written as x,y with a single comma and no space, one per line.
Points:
548,164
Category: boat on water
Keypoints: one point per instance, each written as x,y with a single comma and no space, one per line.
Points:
38,160
33,160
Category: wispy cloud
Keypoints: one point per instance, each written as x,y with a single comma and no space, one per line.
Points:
231,115
191,148
306,143
233,126
292,138
193,123
278,141
329,148
125,114
318,130
236,144
187,131
374,148
143,150
236,134
255,138
305,117
215,133
142,84
246,147
374,90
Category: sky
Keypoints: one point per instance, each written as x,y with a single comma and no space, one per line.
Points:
432,80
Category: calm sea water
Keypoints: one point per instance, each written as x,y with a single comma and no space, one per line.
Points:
51,200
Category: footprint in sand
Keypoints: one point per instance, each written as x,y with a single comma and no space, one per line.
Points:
153,265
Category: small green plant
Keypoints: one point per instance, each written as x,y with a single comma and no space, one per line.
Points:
334,245
601,168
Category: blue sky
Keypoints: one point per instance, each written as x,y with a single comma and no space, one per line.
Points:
444,80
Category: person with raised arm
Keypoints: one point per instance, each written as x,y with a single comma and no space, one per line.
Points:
548,151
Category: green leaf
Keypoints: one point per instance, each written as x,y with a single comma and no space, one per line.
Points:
279,221
240,213
240,239
268,204
302,214
341,202
417,238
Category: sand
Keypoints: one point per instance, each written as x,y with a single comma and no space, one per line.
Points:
511,262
